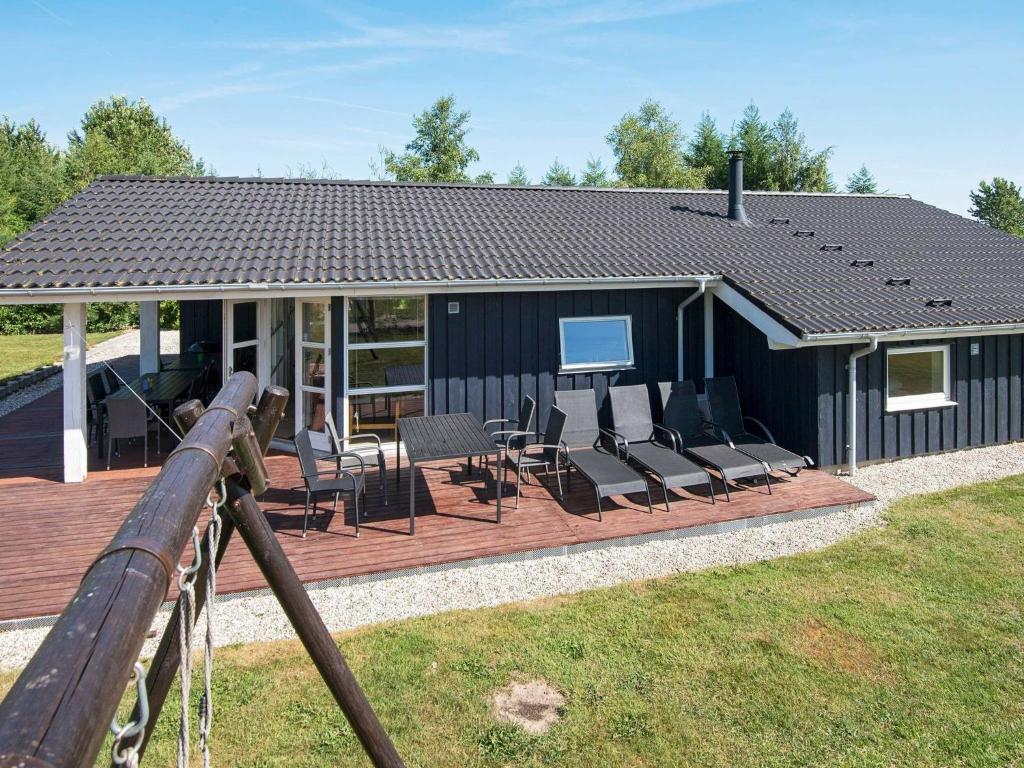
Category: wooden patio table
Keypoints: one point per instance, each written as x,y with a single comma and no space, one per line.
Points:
445,436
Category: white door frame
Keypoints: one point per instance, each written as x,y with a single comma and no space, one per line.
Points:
261,342
320,440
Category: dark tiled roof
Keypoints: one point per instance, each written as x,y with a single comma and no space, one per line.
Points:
162,232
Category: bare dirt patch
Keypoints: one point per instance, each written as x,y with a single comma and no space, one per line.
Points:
534,706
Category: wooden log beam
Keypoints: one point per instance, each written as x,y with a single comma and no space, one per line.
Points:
163,669
253,527
60,706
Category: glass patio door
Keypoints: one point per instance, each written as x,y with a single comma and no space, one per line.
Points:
313,368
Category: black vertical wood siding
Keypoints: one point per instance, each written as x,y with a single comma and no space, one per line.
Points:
985,386
777,387
503,346
802,394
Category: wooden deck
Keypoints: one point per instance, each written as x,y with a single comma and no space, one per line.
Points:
50,532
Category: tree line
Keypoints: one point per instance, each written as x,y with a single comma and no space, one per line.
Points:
650,150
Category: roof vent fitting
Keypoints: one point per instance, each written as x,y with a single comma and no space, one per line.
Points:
831,247
804,233
898,281
939,303
862,263
736,211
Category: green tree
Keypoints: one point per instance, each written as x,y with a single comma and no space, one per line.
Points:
439,151
862,182
595,174
707,151
558,175
776,156
753,135
648,149
487,177
122,136
518,177
1000,205
31,177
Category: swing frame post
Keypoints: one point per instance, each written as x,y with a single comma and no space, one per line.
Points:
266,550
59,709
163,670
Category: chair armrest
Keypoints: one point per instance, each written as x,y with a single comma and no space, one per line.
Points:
722,434
558,449
347,455
362,436
762,426
672,434
496,421
616,437
512,433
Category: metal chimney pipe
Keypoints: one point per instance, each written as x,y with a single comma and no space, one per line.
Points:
736,211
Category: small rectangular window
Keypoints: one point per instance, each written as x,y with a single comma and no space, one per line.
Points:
595,343
917,377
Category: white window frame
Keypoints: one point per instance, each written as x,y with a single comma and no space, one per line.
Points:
919,402
610,365
348,346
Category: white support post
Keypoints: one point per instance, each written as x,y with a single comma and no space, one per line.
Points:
149,333
709,334
76,450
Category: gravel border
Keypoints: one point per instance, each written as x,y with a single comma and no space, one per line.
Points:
256,617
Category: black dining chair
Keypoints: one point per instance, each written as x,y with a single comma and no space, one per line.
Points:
332,481
128,418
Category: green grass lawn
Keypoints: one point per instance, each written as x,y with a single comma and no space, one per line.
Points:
25,352
902,646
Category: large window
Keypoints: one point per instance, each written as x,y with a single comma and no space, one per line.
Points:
386,367
594,343
917,377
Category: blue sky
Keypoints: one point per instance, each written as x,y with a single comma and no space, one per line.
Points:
929,94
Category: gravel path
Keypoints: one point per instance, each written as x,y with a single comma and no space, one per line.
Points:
257,617
122,352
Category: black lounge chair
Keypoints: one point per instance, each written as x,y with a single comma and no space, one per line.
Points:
724,405
651,445
682,415
334,481
585,453
526,455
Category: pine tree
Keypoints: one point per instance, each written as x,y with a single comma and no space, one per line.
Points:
862,182
707,151
517,177
595,174
559,175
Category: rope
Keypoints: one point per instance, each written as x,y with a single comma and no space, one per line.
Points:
206,701
186,618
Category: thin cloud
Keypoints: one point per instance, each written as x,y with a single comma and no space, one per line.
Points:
170,103
352,105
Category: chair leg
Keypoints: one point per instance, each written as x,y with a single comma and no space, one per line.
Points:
664,489
336,495
600,517
145,449
381,470
355,502
711,488
725,482
110,450
768,481
305,514
558,478
519,480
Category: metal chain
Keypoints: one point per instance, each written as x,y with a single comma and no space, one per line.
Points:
213,544
186,618
128,737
